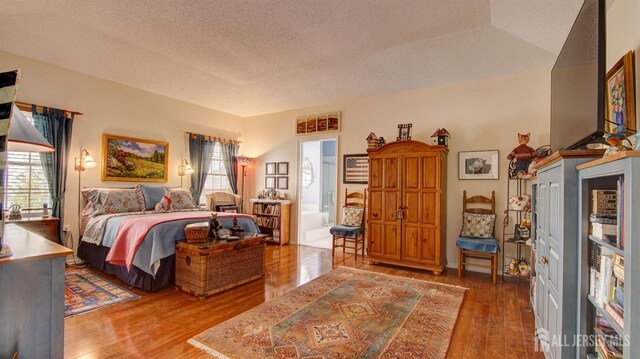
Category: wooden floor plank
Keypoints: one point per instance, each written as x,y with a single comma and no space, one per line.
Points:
494,321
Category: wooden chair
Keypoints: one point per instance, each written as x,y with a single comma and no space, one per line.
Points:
478,248
352,237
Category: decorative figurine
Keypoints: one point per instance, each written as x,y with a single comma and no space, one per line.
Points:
14,212
636,139
615,141
45,210
236,230
513,267
214,226
381,141
521,157
443,136
372,141
524,267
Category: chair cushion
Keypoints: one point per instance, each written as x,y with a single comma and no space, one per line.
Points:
489,245
476,225
352,216
346,231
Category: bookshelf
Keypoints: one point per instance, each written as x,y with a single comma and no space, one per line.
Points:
609,249
273,219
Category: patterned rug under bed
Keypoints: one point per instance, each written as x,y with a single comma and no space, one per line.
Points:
346,313
85,292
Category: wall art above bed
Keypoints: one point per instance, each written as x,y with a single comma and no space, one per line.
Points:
130,159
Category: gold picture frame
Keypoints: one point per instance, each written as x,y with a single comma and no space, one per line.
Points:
309,125
620,94
129,159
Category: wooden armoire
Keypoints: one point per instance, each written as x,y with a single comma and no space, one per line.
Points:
407,214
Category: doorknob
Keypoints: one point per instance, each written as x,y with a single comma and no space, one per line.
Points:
544,260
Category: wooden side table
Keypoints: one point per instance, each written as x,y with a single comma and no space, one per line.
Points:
208,268
48,228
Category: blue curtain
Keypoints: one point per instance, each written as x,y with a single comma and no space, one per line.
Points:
229,153
56,128
200,154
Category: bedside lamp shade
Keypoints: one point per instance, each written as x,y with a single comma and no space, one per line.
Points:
24,137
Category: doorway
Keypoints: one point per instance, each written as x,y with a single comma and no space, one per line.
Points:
317,191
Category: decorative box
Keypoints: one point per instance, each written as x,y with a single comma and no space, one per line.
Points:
196,232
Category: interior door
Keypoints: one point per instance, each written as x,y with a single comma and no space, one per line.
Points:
384,201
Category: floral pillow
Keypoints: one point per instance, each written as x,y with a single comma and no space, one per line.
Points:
352,216
476,225
176,199
111,200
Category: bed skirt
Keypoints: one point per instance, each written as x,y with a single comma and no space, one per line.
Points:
95,256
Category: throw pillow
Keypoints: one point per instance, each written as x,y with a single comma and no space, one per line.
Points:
352,216
149,196
476,225
111,200
175,200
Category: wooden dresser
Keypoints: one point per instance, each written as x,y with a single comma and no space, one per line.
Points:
32,296
407,217
49,228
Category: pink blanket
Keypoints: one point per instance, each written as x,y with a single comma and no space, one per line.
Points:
132,232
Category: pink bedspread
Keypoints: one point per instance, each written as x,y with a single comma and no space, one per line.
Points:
132,232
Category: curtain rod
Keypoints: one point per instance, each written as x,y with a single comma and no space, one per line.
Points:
214,138
25,106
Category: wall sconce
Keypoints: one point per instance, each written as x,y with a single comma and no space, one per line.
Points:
244,162
83,162
184,169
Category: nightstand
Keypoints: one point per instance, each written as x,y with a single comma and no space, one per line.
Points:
45,227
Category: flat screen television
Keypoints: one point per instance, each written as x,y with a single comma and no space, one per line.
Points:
578,81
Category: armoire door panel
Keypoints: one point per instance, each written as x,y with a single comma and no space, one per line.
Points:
376,206
412,207
375,173
391,173
391,244
391,204
375,239
411,244
429,208
430,171
428,245
411,172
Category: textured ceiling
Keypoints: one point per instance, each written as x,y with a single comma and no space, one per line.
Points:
250,57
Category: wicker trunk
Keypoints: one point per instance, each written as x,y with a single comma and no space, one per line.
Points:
209,268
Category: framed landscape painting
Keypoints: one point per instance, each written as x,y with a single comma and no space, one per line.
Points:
130,159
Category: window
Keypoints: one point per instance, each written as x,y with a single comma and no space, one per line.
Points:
26,183
217,176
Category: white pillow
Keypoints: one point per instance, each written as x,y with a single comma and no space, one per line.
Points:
352,216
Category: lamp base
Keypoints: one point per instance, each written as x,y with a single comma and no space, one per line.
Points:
5,251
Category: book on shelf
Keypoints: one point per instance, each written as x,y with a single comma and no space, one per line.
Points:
615,314
603,218
600,230
608,347
620,212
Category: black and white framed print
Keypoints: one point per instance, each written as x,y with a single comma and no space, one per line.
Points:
283,182
355,168
478,164
270,169
270,182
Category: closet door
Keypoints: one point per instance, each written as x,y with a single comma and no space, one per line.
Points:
384,201
421,198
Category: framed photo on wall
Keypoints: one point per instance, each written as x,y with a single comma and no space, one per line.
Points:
129,159
270,182
270,169
355,168
283,168
478,164
621,98
283,183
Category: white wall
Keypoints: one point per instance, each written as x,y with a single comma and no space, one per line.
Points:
623,35
116,109
480,115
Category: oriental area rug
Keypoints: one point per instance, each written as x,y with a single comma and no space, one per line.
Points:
346,313
85,292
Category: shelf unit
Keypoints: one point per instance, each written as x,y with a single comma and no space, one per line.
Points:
620,172
273,218
515,187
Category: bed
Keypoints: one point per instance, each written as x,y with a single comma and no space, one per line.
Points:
139,246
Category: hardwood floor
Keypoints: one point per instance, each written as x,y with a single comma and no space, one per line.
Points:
495,321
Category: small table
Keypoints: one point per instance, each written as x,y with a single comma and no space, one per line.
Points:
203,269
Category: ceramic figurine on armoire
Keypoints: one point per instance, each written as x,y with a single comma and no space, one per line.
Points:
521,157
